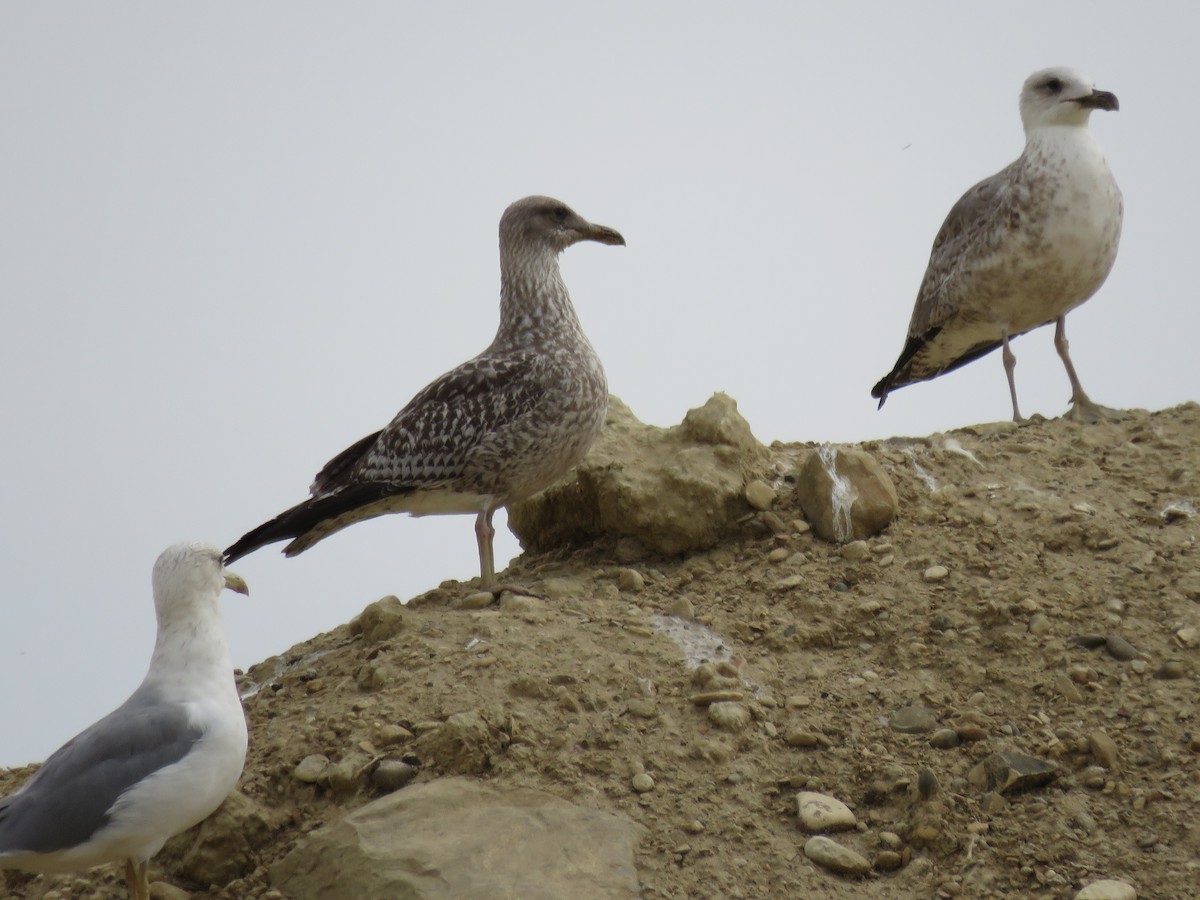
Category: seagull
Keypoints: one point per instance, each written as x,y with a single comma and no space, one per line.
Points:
156,765
1022,248
497,429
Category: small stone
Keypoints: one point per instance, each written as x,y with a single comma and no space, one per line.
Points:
642,782
796,737
392,774
1039,624
891,840
1104,748
729,715
342,776
913,720
888,861
1119,648
1009,773
630,580
707,698
390,734
970,733
642,708
477,600
927,784
1089,641
518,603
934,574
856,551
1171,669
779,554
1107,889
1094,777
945,739
1189,636
681,607
833,856
760,495
820,812
311,768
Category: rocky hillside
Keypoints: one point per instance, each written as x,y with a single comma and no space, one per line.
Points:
689,693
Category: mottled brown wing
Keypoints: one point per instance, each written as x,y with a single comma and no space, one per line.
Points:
430,441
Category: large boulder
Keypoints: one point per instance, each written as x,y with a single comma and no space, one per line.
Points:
676,490
456,838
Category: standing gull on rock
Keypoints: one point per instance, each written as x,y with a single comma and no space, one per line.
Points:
497,429
160,762
1023,248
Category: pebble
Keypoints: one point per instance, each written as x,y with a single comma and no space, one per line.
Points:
1039,624
1189,636
518,603
1104,748
477,600
760,495
642,708
682,608
642,782
1094,777
914,719
888,861
779,554
709,697
891,840
311,768
927,784
729,715
392,774
1107,889
630,580
833,856
1171,669
945,739
856,551
934,574
1119,648
820,812
796,737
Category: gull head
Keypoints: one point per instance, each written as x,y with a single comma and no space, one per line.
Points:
188,577
548,224
1061,96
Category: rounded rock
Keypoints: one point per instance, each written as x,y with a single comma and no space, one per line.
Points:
729,715
829,854
392,774
913,720
820,812
760,495
312,768
630,580
1107,889
944,739
642,782
935,574
856,551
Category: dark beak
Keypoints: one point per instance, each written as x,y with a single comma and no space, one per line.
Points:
602,235
1099,100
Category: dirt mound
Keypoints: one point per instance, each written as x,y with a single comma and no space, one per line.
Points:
1001,688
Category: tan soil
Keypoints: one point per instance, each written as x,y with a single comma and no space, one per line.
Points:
1058,531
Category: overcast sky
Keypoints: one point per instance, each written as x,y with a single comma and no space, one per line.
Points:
235,238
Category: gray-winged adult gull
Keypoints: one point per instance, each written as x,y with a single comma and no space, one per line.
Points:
1023,248
156,765
498,428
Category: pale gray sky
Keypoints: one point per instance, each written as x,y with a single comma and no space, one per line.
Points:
234,238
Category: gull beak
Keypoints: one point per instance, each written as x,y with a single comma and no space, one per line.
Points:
236,583
1100,100
602,235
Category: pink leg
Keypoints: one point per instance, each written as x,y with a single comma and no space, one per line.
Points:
484,532
1082,409
1010,364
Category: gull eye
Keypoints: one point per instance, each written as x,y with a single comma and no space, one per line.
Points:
1053,85
560,213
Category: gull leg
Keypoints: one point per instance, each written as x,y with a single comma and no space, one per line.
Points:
136,879
1083,409
1010,363
484,532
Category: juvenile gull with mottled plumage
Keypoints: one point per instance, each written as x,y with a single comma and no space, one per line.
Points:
497,429
1023,248
160,762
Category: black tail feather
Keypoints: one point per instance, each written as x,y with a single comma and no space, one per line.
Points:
311,515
